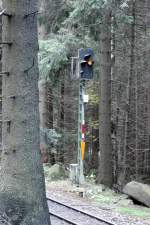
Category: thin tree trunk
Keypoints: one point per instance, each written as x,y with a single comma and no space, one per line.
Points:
46,116
60,154
22,190
70,116
105,162
0,84
130,124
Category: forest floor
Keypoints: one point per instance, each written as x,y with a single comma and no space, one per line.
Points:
118,208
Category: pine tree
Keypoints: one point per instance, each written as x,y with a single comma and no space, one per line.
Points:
105,161
22,191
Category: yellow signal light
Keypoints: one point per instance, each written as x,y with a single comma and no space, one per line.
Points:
90,62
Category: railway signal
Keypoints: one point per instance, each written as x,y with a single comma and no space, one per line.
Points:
84,72
86,60
82,69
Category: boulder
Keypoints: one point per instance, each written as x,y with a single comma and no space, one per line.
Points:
125,202
55,172
138,191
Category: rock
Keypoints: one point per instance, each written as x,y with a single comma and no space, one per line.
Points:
139,192
55,172
125,202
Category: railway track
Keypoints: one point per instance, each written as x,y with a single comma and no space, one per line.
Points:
66,214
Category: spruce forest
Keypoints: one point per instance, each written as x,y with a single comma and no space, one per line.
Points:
74,112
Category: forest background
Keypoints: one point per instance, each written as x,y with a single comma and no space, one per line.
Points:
117,115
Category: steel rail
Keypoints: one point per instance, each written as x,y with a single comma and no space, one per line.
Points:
62,218
82,212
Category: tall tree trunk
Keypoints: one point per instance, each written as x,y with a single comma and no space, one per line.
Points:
70,119
105,161
22,190
46,116
45,89
44,5
130,122
0,84
60,148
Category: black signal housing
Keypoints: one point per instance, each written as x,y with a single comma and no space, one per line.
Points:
86,57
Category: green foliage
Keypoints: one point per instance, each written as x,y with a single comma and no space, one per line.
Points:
85,18
53,14
88,15
55,53
55,172
51,136
85,11
93,92
52,57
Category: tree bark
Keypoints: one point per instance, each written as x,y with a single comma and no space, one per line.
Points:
130,145
70,119
0,84
46,115
22,190
105,161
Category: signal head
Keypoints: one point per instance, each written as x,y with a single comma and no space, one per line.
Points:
86,57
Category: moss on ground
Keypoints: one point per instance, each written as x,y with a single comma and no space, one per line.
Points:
141,212
121,204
